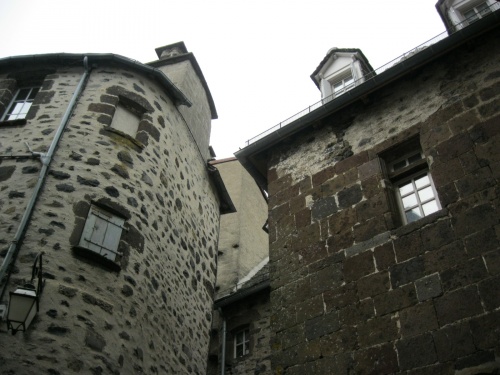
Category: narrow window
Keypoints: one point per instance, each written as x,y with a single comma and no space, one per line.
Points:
21,103
411,182
102,233
241,343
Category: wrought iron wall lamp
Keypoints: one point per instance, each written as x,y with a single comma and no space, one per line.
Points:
24,302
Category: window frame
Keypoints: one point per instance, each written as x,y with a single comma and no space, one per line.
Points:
110,237
29,99
244,343
401,165
342,78
415,190
478,14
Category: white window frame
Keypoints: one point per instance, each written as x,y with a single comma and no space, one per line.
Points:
342,79
18,108
416,159
102,232
478,14
421,202
242,339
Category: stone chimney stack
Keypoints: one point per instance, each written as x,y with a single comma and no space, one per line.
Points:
181,67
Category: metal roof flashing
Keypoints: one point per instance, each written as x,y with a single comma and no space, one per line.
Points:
98,58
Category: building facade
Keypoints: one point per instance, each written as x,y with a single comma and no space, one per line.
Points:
104,170
240,339
384,217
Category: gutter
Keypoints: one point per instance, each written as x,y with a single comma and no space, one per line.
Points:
13,249
242,293
95,58
251,155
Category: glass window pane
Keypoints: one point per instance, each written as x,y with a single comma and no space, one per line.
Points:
422,181
413,215
426,194
239,350
16,109
338,85
22,94
409,201
470,15
483,9
406,189
24,110
430,207
33,93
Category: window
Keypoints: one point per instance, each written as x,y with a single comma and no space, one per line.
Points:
21,103
241,343
476,12
125,121
343,84
411,181
102,233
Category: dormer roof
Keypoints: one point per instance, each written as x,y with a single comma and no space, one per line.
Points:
335,52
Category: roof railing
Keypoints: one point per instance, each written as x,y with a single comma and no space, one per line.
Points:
360,81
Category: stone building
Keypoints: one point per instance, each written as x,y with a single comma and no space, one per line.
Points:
384,218
241,326
103,168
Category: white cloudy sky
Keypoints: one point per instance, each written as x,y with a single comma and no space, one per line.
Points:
256,55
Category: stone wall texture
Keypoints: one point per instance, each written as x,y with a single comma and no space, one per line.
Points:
151,314
252,312
353,292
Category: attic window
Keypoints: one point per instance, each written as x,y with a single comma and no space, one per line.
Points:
342,83
476,12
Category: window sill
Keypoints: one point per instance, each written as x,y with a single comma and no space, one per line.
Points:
83,252
136,143
9,123
408,228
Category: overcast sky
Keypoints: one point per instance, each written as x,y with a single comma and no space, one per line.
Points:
256,56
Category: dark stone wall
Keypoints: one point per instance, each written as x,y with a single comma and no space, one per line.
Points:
252,312
353,291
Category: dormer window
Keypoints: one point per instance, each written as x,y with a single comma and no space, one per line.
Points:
476,12
345,83
340,71
458,14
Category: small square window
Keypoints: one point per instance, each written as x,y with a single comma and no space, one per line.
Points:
102,233
21,103
241,343
411,181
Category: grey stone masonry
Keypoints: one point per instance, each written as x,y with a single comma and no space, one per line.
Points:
353,290
149,310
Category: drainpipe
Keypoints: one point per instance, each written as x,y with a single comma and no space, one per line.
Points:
45,159
223,354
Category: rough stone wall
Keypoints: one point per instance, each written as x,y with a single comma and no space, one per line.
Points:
154,314
254,312
351,291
